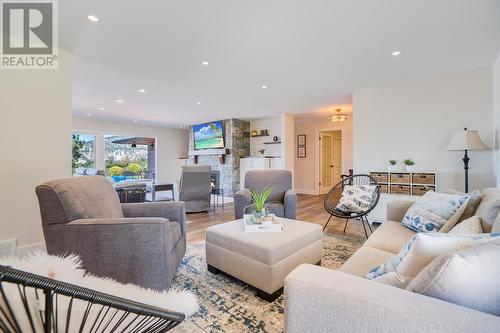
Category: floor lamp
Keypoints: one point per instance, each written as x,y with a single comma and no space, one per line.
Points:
466,140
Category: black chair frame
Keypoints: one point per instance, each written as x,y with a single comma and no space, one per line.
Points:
333,196
145,318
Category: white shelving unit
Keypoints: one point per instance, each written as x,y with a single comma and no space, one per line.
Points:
407,186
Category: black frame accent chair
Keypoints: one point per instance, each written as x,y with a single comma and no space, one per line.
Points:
138,243
34,303
333,197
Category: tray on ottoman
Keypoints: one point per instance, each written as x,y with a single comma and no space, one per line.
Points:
262,260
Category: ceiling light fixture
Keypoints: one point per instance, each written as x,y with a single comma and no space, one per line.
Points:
93,18
205,63
396,53
142,90
135,120
101,108
264,86
338,117
89,114
119,101
198,103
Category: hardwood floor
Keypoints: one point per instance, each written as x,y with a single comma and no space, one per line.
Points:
309,208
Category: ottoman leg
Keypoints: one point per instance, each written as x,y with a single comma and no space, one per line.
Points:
212,269
269,297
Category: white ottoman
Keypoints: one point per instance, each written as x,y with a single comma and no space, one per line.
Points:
262,259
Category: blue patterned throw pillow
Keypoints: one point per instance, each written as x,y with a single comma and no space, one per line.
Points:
420,250
433,210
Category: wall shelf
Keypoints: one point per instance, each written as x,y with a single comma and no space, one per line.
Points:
207,152
272,143
259,135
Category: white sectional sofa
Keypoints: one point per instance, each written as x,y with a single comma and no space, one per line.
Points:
318,299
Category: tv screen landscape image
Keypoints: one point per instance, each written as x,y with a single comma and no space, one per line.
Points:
209,135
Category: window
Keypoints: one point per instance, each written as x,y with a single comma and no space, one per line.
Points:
83,151
129,157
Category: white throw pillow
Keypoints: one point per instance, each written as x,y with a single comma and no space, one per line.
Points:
434,211
356,198
470,226
421,249
467,277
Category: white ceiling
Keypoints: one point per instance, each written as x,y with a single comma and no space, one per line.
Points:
312,54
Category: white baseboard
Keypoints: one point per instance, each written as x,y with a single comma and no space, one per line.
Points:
305,191
21,251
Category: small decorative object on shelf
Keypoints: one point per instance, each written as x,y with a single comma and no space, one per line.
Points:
255,133
262,151
301,140
410,165
275,138
392,166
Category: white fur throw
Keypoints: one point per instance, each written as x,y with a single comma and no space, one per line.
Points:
68,269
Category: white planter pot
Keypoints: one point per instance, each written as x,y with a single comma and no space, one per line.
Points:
410,168
392,168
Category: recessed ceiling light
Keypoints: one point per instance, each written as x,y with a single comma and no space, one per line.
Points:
198,103
264,86
142,90
251,115
89,114
119,101
396,53
135,120
205,63
93,18
101,108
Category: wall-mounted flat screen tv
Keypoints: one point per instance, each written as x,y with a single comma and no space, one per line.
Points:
209,135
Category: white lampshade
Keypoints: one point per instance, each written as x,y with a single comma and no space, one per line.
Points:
466,140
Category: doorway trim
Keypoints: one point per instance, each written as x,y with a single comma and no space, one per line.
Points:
317,150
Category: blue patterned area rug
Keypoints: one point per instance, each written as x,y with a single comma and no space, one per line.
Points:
228,305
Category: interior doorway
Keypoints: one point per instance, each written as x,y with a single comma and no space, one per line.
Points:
330,159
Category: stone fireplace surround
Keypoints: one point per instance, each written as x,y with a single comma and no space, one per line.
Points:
237,140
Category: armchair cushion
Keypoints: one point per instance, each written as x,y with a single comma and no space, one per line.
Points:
279,180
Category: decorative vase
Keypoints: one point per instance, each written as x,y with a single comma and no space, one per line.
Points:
258,217
410,168
392,168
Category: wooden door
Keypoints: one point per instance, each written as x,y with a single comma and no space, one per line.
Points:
330,161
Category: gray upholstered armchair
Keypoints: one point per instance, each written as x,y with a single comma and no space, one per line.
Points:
138,243
194,188
282,201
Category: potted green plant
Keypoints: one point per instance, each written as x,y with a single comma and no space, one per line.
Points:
392,166
410,165
259,201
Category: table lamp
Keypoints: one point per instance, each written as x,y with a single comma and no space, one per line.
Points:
466,140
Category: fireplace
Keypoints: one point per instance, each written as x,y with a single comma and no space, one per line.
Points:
215,179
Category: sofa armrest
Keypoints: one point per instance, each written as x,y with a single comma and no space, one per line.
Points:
173,211
130,250
242,199
323,300
290,202
397,209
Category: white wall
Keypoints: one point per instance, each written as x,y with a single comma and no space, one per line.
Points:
288,142
171,143
257,143
307,169
496,106
35,133
416,120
